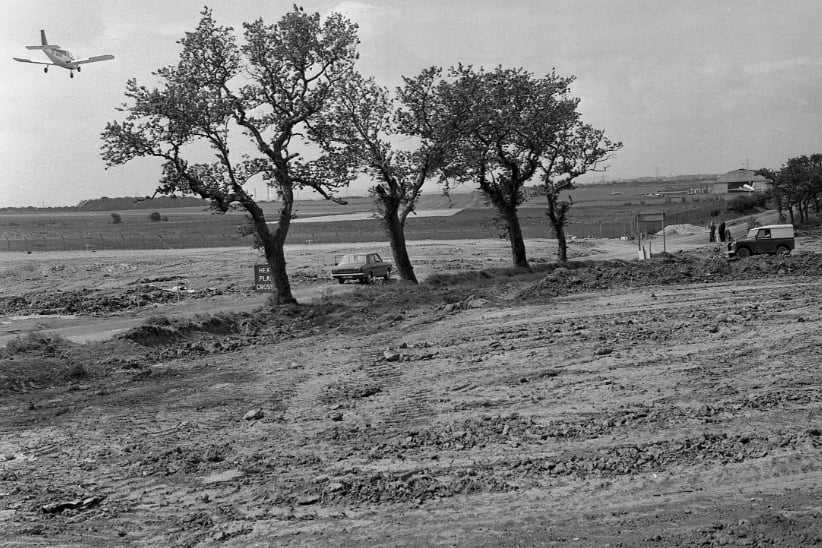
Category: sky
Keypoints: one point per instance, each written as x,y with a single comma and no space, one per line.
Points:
689,87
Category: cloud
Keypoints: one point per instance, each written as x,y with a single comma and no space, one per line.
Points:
772,66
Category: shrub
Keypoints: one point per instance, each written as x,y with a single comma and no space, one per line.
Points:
116,218
31,342
744,203
155,216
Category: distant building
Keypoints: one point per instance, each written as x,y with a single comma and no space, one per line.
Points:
740,180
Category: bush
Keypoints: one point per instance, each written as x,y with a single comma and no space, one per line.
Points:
744,203
31,342
116,218
155,216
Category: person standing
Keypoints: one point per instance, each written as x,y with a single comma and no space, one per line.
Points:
712,228
721,231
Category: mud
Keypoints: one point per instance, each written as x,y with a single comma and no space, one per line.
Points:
672,402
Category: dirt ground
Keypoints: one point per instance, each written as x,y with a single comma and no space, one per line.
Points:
152,399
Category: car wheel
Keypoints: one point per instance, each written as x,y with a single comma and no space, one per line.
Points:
369,278
743,252
341,280
782,250
387,274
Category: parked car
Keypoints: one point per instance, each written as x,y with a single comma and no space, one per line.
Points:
773,239
364,267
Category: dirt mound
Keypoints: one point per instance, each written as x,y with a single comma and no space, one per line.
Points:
682,229
94,301
666,269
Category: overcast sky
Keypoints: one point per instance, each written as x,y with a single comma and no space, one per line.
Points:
692,86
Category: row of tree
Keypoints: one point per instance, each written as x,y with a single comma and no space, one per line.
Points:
797,186
315,123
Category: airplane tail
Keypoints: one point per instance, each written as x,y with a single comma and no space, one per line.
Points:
44,44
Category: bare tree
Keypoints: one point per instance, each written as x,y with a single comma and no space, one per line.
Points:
401,143
267,90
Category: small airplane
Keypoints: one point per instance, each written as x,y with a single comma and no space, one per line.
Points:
60,57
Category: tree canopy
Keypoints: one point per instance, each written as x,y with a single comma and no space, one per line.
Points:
401,140
517,126
265,91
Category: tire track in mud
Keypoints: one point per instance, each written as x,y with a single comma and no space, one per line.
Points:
529,469
139,479
566,415
578,457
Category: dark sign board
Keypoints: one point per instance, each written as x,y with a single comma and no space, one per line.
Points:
650,217
262,278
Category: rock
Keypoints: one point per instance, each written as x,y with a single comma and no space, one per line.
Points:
473,302
305,500
253,415
391,356
337,417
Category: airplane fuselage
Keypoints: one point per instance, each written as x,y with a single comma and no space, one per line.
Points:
61,57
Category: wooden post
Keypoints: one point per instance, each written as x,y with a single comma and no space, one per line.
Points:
638,234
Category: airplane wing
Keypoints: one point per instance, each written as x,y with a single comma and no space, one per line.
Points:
30,61
92,59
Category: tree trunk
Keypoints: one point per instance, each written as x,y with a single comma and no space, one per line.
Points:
515,237
396,237
780,209
273,243
562,244
275,256
557,219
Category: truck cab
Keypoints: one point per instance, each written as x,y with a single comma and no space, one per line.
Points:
770,239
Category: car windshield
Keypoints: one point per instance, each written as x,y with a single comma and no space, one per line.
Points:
353,259
752,232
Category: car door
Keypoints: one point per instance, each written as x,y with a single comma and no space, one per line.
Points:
765,242
377,265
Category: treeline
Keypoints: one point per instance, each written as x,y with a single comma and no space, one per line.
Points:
118,204
796,187
127,203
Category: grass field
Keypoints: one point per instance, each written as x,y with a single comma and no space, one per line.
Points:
598,211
